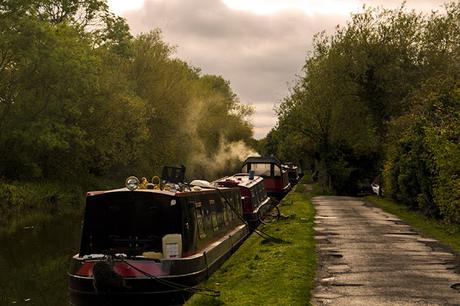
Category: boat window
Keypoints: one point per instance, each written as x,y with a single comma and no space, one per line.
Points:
226,211
220,208
220,213
261,169
215,225
255,197
199,219
229,206
277,171
236,207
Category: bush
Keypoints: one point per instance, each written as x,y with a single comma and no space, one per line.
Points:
422,168
21,201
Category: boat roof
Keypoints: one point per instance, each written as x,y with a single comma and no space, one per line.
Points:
173,193
242,179
260,160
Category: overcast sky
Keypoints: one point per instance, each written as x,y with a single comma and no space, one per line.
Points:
258,45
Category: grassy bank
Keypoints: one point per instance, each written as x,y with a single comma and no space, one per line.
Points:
262,272
448,234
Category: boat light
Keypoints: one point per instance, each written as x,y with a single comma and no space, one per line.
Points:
132,183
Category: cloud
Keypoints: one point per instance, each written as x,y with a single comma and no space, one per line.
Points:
308,7
264,118
419,5
259,53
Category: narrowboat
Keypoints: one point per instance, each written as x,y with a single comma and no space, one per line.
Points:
293,172
275,177
256,203
149,244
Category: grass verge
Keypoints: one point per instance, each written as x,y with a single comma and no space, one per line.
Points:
262,272
448,234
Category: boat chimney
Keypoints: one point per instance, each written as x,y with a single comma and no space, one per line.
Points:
251,174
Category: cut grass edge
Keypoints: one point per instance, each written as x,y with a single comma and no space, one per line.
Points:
263,272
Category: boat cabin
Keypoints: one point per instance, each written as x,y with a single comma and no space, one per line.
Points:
276,179
256,202
146,235
293,172
132,223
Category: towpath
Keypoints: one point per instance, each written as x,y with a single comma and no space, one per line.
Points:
369,257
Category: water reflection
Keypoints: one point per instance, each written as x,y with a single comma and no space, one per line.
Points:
34,263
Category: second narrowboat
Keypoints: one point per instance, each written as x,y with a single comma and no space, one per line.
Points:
275,177
256,203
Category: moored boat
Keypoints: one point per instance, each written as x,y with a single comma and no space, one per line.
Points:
276,179
151,246
293,172
256,203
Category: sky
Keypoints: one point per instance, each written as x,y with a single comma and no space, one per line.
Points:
260,46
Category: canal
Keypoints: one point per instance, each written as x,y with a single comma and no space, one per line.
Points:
34,262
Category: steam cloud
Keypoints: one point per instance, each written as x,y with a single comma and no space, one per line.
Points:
226,161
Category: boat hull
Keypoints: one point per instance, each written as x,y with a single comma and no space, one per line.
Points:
165,288
276,189
139,292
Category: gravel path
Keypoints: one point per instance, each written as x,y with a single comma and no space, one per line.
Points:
369,257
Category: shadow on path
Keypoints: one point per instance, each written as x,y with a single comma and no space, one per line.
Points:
370,257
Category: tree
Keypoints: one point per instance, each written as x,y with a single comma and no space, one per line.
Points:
81,98
381,95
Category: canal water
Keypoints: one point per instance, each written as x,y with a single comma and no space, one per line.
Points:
34,263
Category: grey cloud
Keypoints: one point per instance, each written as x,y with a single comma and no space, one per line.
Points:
259,54
265,109
419,5
265,118
265,121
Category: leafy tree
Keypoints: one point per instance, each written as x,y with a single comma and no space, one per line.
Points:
352,111
381,95
81,98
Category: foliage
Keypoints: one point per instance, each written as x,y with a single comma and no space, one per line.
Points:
80,98
422,166
380,96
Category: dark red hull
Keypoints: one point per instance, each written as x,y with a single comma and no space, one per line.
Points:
142,293
277,187
160,289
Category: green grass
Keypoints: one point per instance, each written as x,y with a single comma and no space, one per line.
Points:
262,272
448,234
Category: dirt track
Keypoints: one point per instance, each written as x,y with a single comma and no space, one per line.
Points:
369,257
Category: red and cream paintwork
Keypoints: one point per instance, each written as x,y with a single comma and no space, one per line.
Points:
256,202
276,178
